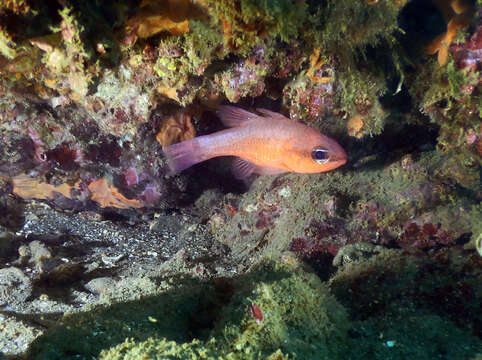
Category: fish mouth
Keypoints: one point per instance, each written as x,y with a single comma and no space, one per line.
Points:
338,163
338,154
338,159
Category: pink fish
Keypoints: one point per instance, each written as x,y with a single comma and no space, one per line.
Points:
265,144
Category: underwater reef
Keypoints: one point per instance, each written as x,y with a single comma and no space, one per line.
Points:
104,253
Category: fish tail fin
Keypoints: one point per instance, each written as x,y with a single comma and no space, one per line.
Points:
182,155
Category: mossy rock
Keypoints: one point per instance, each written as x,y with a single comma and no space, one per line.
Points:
275,312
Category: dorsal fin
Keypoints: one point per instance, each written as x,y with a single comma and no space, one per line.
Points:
232,116
272,114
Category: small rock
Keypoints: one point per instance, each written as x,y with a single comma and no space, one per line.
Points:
39,251
91,267
15,287
16,336
40,255
100,285
24,253
166,223
65,273
31,217
285,192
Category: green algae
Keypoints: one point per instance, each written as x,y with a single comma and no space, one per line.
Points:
7,45
445,95
229,30
183,60
202,46
246,22
16,6
415,187
158,348
356,95
299,316
368,26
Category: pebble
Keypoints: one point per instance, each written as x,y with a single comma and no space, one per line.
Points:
111,260
285,192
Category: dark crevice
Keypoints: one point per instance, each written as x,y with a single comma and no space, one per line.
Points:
391,145
421,22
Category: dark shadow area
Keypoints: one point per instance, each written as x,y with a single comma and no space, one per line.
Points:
396,141
430,282
45,14
103,24
114,217
12,214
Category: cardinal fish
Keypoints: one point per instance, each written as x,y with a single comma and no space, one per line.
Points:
265,144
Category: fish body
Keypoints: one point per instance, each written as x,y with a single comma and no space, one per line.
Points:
269,143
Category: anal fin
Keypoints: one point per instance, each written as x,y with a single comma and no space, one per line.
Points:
269,171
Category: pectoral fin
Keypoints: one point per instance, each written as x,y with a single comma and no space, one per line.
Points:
243,169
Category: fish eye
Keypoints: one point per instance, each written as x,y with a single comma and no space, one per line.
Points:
320,155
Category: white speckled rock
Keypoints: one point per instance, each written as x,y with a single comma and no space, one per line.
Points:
15,287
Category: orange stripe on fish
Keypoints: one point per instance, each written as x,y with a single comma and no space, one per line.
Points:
265,144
